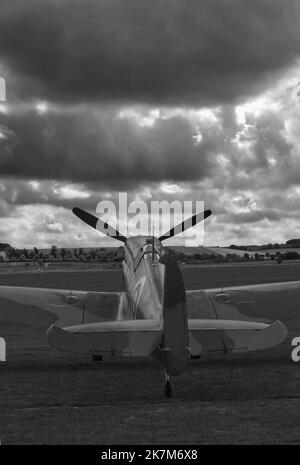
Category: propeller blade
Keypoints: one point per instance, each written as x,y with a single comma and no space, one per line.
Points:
98,224
192,221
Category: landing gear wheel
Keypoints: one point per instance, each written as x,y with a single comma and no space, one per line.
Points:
168,387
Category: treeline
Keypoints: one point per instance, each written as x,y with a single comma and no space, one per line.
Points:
216,258
112,254
228,258
291,243
61,254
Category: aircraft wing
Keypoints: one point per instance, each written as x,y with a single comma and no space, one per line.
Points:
230,336
44,307
261,303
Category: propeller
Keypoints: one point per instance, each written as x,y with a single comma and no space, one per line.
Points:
192,221
98,224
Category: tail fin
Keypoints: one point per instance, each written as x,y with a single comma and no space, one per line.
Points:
175,333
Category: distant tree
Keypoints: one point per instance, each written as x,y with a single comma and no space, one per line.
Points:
30,254
94,254
4,246
17,254
12,253
293,242
180,255
75,253
54,251
292,255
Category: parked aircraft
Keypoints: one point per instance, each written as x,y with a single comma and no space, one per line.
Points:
155,316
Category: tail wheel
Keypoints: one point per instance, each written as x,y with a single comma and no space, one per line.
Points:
168,389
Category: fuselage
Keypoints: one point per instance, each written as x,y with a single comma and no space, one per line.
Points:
155,291
143,277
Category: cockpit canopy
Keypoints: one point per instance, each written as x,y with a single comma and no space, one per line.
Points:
144,247
149,249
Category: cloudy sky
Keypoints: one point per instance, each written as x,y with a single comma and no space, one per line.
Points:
162,99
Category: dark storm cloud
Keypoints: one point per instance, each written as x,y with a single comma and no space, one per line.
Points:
163,52
254,216
101,149
18,192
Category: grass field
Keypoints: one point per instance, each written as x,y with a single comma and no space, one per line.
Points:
51,397
195,276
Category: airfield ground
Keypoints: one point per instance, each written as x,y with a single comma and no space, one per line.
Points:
55,398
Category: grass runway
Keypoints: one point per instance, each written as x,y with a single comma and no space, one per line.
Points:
48,397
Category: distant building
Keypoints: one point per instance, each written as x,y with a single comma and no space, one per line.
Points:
3,256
